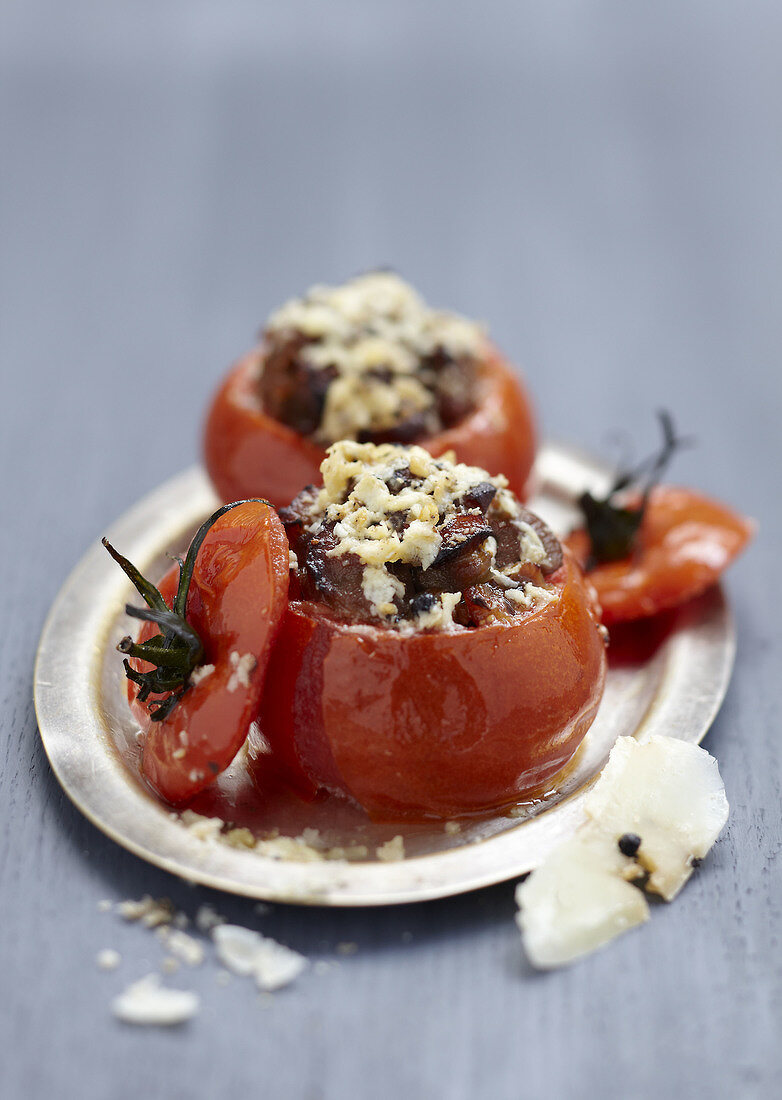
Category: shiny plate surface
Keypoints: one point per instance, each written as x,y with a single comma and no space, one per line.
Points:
668,679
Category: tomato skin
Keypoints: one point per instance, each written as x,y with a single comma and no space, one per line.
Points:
441,723
248,453
685,543
236,601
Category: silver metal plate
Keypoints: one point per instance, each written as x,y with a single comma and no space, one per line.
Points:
671,680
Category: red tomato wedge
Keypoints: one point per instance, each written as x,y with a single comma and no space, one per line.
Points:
685,542
434,724
249,453
235,602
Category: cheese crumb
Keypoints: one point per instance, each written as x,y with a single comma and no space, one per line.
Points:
532,595
148,911
147,1002
201,672
392,850
207,918
248,953
202,828
239,838
182,946
243,667
108,959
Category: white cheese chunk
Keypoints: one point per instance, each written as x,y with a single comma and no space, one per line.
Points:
248,953
670,794
665,801
577,901
148,1002
108,959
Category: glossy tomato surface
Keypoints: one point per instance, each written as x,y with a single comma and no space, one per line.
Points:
236,601
248,453
685,542
441,723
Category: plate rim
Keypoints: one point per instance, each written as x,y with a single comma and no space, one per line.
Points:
416,878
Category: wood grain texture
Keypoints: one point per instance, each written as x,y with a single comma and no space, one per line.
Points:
601,183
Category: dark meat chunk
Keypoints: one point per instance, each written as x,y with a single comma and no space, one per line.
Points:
399,480
335,581
468,568
291,390
422,603
509,539
482,605
414,426
459,534
453,383
480,496
464,557
551,543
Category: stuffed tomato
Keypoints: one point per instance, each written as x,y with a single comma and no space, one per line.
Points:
439,655
365,361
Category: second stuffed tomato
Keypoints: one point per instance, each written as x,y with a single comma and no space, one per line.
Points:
439,655
369,361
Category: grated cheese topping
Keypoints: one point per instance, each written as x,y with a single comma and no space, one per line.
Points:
388,504
374,333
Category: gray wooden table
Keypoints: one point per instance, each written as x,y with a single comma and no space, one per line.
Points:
601,182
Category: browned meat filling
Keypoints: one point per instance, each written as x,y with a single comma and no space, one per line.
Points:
294,392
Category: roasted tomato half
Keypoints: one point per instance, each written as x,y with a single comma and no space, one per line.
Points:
434,723
683,544
250,453
209,627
